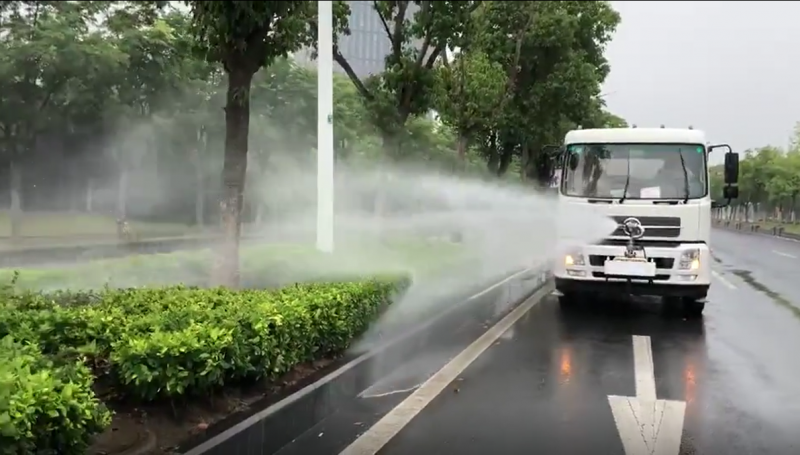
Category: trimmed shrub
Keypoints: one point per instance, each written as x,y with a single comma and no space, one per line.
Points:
46,407
157,343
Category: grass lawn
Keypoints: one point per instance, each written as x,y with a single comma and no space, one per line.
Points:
58,228
265,265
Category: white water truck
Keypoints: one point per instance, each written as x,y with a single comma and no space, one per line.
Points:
654,183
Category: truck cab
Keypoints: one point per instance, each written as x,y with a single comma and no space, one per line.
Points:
654,184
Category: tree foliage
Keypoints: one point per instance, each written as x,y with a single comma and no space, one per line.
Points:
469,94
419,33
769,181
146,109
551,57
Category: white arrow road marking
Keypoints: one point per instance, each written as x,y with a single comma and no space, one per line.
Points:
646,424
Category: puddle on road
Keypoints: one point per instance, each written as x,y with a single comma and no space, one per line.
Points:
747,276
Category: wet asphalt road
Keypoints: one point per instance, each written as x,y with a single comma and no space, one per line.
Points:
543,385
771,262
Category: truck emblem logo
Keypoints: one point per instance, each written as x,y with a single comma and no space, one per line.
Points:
633,228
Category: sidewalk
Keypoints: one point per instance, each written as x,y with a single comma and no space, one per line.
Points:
758,227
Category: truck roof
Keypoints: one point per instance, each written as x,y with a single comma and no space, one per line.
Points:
635,135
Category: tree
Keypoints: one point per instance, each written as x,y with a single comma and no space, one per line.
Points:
244,37
47,49
156,64
419,33
144,111
769,183
468,94
552,53
144,116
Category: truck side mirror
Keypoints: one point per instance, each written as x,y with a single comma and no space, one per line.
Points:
732,168
731,173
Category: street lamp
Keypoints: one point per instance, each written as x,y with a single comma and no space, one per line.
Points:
325,127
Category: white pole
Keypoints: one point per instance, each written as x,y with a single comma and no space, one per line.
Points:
325,127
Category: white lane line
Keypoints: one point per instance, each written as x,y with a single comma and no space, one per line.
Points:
786,255
643,368
253,419
723,280
647,425
498,284
390,425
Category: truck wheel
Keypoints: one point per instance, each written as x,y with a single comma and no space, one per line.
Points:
693,308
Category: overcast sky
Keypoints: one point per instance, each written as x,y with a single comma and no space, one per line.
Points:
730,68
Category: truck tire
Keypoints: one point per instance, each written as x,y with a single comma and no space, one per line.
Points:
693,308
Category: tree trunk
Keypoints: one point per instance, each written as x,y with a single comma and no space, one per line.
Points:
89,194
505,162
259,214
391,149
16,200
200,183
499,160
525,162
122,195
199,201
462,143
234,169
461,147
493,162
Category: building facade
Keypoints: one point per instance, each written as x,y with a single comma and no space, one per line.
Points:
367,46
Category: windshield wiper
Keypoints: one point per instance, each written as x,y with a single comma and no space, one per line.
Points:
627,180
685,177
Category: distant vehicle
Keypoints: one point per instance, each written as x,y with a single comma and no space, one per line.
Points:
654,183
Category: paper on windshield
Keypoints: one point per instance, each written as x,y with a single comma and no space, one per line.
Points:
651,192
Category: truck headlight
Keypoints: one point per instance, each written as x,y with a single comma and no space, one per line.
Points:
690,260
573,259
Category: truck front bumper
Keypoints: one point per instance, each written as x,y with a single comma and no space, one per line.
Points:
681,270
620,287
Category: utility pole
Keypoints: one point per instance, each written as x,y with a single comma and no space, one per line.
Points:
325,127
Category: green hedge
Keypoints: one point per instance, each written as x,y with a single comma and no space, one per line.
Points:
46,406
158,343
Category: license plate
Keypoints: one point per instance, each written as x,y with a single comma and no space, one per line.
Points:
630,267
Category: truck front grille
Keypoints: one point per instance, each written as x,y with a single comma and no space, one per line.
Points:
654,226
666,221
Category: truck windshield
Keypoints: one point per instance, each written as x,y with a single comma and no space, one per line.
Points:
650,171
